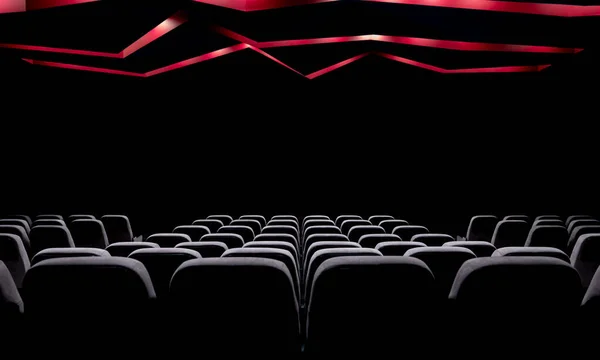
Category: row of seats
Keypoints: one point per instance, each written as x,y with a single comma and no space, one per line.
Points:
279,289
355,301
229,237
520,230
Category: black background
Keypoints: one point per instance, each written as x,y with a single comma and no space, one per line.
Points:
240,134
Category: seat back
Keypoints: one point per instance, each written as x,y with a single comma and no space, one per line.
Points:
479,248
245,232
389,225
555,236
212,224
89,233
50,236
376,219
532,251
432,239
356,232
168,240
261,219
444,262
207,249
230,240
248,302
356,303
397,247
481,228
225,219
321,255
57,253
251,223
586,257
406,232
161,264
118,228
510,233
124,249
340,219
348,224
14,257
195,232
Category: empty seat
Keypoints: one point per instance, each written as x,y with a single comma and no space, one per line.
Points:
348,224
162,263
81,294
320,245
316,222
278,237
124,249
340,219
195,232
285,217
481,228
247,303
80,216
230,240
284,222
389,225
548,217
225,219
55,253
444,262
118,228
89,233
14,257
253,224
397,247
20,232
321,255
406,232
591,300
376,219
479,248
327,229
212,224
22,217
512,283
207,249
275,245
529,296
245,232
517,217
314,238
49,216
50,236
532,251
11,304
281,229
577,232
168,240
576,217
581,222
314,217
18,222
510,233
356,232
261,219
49,222
585,257
555,236
432,239
541,222
284,256
372,240
384,292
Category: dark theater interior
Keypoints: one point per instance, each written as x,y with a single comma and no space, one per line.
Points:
299,178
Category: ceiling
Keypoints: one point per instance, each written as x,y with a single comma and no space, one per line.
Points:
302,40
